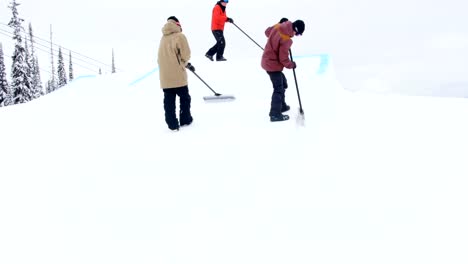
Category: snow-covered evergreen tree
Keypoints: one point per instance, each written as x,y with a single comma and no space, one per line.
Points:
70,68
62,74
4,88
38,79
52,84
113,62
28,69
19,77
36,83
48,88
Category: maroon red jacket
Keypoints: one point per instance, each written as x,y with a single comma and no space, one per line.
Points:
276,54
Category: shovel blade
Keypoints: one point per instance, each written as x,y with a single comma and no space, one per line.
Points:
219,98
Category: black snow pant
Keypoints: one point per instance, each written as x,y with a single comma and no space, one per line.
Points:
280,85
170,106
218,48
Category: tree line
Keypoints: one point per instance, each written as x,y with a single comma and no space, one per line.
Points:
25,81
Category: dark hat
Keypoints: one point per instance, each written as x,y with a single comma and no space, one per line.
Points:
173,18
298,27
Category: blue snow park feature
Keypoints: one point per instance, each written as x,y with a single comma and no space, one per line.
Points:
84,77
144,76
324,61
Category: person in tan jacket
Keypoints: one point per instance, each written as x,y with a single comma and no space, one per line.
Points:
173,59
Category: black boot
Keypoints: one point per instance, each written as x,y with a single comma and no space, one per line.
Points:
210,57
277,118
186,121
174,126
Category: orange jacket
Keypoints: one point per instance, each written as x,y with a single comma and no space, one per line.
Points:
219,18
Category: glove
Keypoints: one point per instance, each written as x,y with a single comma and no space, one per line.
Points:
283,20
230,20
190,67
294,65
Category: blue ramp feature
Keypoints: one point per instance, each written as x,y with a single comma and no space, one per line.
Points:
84,77
324,61
144,76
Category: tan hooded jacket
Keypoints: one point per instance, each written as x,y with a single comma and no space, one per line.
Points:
173,56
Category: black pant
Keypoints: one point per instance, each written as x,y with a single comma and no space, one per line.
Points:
170,106
218,48
280,85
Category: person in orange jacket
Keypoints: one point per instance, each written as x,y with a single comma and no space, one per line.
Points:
218,19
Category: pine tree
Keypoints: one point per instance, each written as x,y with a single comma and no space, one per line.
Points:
62,75
4,88
28,69
100,72
48,88
19,83
70,68
52,84
38,80
113,62
35,71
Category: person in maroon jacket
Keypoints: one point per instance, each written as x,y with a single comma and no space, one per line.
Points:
218,19
275,58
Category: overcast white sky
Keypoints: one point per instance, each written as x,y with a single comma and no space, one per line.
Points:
417,41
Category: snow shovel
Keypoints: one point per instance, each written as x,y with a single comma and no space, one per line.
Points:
217,97
300,118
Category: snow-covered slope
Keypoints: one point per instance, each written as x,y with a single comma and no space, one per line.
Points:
91,174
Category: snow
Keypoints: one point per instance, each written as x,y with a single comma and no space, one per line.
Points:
91,174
